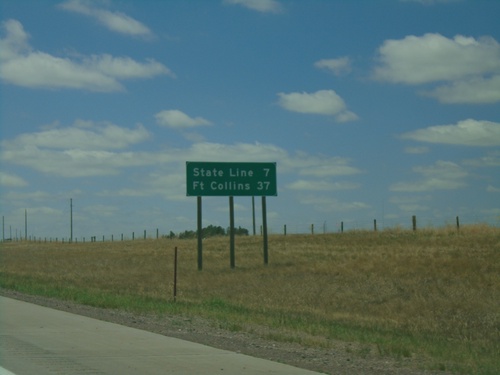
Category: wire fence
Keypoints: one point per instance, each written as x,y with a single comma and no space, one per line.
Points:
313,228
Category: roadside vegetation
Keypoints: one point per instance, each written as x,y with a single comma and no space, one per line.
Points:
432,294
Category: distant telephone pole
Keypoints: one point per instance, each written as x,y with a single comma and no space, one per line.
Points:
25,224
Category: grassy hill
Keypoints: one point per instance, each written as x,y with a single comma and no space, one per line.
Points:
433,293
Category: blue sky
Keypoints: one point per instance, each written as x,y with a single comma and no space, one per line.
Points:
371,110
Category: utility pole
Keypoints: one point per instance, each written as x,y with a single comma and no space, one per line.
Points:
25,224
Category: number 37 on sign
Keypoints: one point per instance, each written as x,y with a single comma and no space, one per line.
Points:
230,179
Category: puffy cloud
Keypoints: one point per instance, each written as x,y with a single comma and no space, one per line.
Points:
322,102
492,189
263,6
433,57
475,90
329,204
10,180
322,185
114,21
338,66
100,149
22,66
429,2
82,135
15,41
417,150
492,159
177,119
323,166
467,132
81,150
443,175
471,67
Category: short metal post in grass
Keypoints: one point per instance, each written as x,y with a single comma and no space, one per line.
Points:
175,274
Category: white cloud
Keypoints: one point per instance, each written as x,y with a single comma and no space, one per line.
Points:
179,120
323,166
411,203
475,90
80,150
10,180
328,204
417,150
443,175
124,67
322,102
101,210
467,132
83,135
338,66
430,2
492,159
20,65
433,57
492,189
100,149
321,185
470,66
76,163
263,6
36,196
114,21
15,41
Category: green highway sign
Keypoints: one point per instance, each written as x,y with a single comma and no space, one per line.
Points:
230,179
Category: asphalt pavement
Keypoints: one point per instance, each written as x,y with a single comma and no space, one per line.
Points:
42,341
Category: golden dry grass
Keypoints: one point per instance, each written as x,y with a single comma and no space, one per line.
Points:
432,292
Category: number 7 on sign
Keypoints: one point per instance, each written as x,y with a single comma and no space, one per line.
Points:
266,170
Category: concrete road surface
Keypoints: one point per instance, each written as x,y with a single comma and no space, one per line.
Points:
41,341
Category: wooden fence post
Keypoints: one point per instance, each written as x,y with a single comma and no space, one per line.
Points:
414,222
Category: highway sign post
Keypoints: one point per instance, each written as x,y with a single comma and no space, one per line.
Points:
230,179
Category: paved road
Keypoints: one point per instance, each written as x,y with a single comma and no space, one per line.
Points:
42,341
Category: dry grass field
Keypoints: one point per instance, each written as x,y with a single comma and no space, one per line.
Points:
434,293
